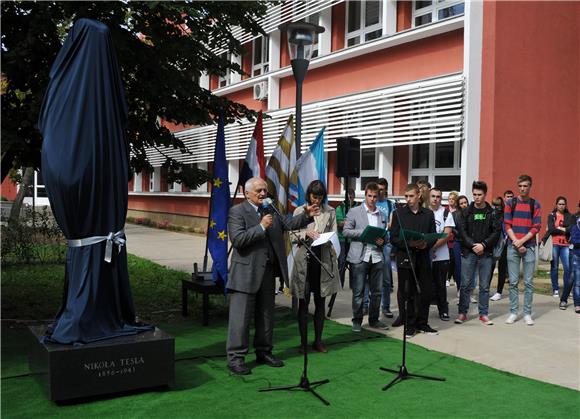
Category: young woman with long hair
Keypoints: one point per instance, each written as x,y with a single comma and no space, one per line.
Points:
560,221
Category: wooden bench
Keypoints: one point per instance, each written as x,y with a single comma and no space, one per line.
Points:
201,283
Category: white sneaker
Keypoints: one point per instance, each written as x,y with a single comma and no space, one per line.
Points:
512,318
473,300
556,294
447,283
528,319
496,297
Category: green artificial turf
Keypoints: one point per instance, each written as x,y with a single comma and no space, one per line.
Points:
204,389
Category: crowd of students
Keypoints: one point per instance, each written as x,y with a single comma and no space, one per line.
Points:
481,236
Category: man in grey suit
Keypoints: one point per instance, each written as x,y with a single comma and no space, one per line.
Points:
366,259
258,257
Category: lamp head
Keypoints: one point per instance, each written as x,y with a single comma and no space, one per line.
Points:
301,36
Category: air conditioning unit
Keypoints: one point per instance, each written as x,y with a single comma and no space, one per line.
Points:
261,90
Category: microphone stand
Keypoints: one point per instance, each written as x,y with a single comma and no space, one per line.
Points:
402,372
304,383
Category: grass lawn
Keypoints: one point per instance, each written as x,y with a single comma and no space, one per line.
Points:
34,292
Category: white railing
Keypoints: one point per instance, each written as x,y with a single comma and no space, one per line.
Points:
426,111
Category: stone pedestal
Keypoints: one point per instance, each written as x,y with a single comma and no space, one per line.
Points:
110,366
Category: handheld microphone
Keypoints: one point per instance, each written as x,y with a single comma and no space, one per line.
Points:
269,205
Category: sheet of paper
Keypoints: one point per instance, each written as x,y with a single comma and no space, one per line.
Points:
328,237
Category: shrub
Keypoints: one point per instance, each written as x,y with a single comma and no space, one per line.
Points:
34,238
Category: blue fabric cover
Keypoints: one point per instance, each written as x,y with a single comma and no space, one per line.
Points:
85,167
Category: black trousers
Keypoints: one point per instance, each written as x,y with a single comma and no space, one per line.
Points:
418,303
440,269
502,268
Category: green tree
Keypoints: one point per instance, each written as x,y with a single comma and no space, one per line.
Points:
162,47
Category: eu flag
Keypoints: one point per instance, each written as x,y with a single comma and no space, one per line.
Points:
220,205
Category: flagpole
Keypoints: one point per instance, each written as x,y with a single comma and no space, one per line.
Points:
207,234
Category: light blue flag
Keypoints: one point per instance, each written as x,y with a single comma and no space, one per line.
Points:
311,166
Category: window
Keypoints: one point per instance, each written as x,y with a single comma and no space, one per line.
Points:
260,57
40,189
437,163
368,167
155,180
363,21
137,182
431,11
173,187
224,80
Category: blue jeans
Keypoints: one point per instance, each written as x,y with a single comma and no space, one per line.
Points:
560,253
375,278
387,279
574,281
529,261
470,263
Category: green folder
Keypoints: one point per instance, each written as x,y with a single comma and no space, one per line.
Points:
371,234
415,235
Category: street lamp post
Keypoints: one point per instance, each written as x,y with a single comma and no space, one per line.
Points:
301,37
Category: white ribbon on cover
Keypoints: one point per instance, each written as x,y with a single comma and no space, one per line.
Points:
111,238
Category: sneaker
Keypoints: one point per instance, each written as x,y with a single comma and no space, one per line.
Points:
577,309
511,319
528,319
462,318
563,305
379,325
472,299
410,332
444,317
427,330
556,294
356,327
388,314
485,320
447,283
496,297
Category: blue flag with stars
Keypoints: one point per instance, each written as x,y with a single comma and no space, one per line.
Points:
217,235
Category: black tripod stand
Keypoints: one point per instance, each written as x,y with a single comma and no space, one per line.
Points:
402,372
304,383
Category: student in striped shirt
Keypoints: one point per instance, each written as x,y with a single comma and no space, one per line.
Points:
523,220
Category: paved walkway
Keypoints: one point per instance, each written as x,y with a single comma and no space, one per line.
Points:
548,351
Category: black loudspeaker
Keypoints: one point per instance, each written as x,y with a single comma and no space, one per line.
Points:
347,157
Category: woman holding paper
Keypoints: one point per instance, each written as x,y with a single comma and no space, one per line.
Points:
307,275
